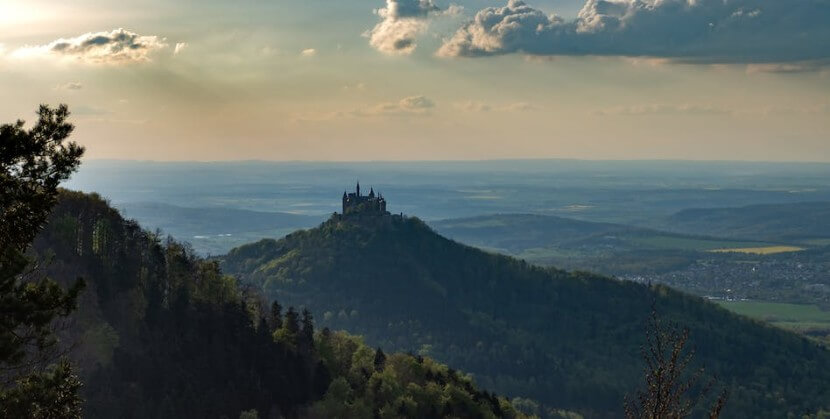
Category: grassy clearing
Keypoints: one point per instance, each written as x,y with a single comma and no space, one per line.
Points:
687,243
816,242
763,250
798,317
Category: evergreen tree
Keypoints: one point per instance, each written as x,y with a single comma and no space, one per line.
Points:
308,327
380,359
292,321
32,165
49,395
276,315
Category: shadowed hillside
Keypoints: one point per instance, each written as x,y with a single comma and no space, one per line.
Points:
163,333
565,339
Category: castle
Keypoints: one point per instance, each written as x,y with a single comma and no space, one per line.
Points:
355,203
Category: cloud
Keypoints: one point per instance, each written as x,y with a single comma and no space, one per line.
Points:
308,52
118,46
401,23
710,31
788,68
356,86
70,86
180,46
473,106
409,106
412,105
664,109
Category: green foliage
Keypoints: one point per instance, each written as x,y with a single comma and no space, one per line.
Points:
166,334
32,165
397,386
46,395
565,340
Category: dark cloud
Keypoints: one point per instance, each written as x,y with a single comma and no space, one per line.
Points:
714,31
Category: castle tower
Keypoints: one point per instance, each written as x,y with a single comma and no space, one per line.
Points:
356,204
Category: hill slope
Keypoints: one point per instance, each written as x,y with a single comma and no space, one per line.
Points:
569,340
162,333
799,222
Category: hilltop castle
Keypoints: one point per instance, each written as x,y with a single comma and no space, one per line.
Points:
355,203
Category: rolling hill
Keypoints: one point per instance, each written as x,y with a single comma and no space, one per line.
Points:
584,245
804,222
564,339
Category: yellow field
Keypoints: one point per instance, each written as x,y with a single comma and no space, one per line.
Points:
765,250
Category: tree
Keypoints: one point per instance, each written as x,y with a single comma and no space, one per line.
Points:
50,395
670,391
380,359
292,321
32,165
276,315
308,327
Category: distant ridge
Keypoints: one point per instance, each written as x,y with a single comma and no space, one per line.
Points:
796,221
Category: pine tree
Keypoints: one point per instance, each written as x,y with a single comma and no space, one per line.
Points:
292,321
308,327
276,315
32,165
380,360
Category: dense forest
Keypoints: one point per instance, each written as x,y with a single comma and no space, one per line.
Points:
560,339
100,318
160,332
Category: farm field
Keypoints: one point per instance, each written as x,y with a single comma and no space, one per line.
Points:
802,318
661,241
763,250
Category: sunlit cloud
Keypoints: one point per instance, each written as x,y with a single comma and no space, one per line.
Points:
475,106
402,21
118,46
70,86
412,105
788,68
418,105
665,109
308,52
180,46
472,106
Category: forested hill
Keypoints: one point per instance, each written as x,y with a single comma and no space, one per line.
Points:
801,222
161,333
564,339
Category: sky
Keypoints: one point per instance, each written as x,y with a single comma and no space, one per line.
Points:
426,79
